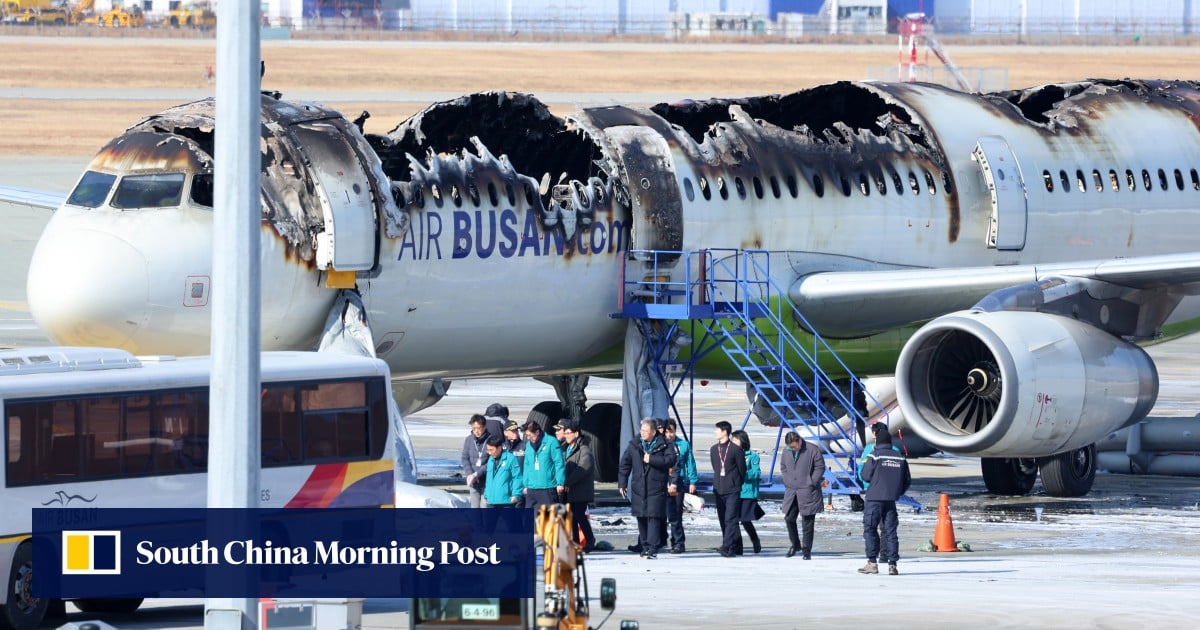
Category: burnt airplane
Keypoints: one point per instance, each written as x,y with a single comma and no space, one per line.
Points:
1001,252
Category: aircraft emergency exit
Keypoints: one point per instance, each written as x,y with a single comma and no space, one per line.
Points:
1002,253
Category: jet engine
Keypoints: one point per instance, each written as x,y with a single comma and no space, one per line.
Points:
1020,384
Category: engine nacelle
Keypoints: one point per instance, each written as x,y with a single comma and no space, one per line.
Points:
1020,384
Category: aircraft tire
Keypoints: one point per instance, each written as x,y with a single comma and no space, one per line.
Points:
602,426
118,606
1069,474
547,414
1007,476
23,611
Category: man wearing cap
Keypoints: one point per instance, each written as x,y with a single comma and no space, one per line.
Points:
514,444
544,468
887,472
580,477
497,417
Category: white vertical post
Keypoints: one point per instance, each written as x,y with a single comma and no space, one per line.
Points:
234,412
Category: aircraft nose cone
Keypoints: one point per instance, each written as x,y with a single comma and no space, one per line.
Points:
88,288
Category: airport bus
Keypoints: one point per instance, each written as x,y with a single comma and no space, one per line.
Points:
98,427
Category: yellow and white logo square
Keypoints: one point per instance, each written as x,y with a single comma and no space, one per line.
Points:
94,552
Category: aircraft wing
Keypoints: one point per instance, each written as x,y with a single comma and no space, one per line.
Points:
856,303
30,197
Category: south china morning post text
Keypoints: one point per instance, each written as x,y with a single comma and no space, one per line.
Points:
288,553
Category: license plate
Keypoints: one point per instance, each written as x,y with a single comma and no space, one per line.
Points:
480,611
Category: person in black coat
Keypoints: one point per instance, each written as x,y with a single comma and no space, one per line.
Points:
580,477
729,471
642,478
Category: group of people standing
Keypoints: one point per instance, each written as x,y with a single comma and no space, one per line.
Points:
658,469
503,470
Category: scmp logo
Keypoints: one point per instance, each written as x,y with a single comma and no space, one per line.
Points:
91,553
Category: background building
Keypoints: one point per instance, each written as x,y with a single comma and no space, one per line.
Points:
704,18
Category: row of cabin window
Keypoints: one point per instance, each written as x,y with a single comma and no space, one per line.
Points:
435,191
1114,180
844,183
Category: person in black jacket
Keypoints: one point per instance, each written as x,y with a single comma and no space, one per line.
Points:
580,479
642,478
497,417
887,472
729,471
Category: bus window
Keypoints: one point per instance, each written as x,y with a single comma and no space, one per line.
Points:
161,432
280,426
138,439
333,395
100,436
183,422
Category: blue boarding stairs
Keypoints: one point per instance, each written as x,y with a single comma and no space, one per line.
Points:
726,299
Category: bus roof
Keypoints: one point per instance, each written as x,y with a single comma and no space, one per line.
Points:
30,372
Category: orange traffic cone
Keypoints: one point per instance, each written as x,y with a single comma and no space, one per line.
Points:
943,536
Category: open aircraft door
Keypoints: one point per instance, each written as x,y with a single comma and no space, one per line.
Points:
655,205
349,241
1002,174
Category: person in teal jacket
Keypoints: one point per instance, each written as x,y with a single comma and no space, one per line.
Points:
502,486
748,505
683,480
545,470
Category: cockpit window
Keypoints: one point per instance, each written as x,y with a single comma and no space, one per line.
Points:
202,189
92,189
159,190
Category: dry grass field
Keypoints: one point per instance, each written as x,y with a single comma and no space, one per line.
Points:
98,68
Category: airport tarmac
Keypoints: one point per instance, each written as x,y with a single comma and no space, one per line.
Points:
1124,556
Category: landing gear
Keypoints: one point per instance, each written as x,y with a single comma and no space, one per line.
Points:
1069,474
546,413
602,426
601,422
1008,476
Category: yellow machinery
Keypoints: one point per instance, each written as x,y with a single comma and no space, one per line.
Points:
560,601
81,12
564,577
119,17
190,15
34,13
57,13
14,7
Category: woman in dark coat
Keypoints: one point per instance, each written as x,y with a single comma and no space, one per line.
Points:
802,467
748,510
642,478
